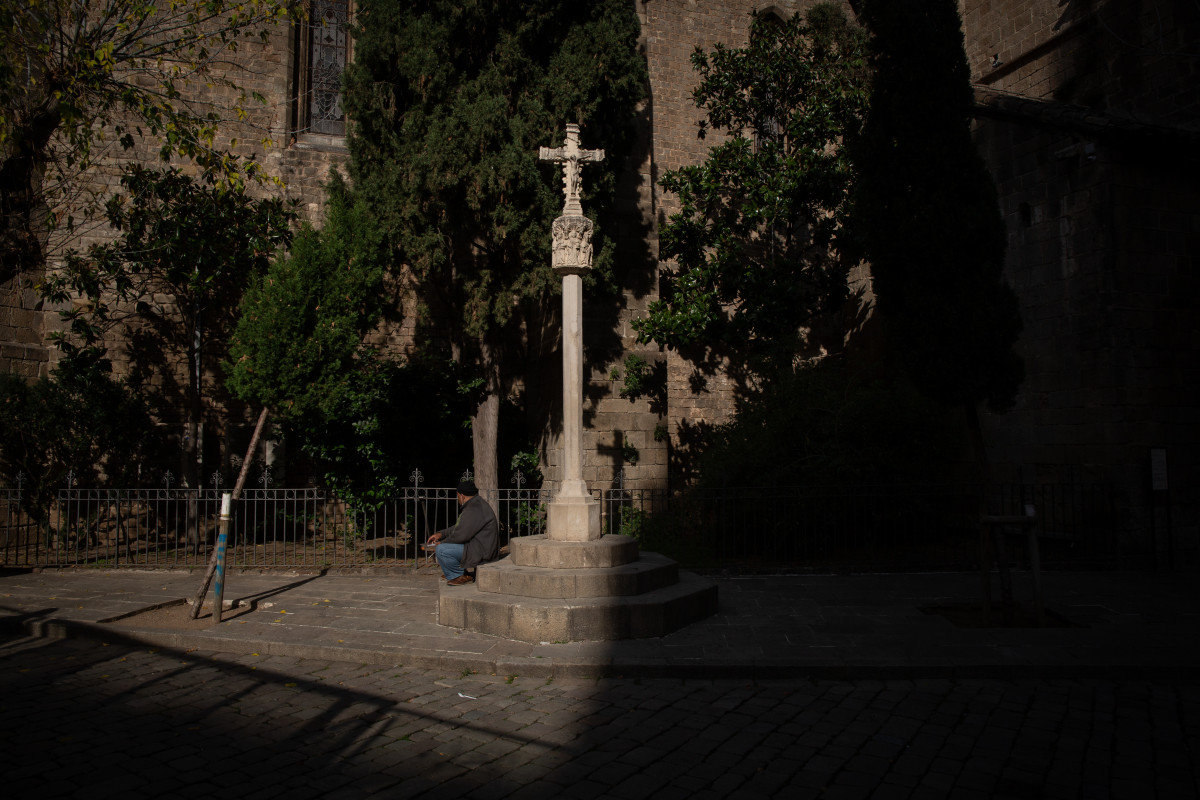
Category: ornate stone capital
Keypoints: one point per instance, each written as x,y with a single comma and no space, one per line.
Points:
571,247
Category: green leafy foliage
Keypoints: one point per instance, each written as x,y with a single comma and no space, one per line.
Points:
184,251
633,522
756,240
77,420
297,347
451,102
197,242
76,76
299,335
929,220
390,419
528,463
366,420
637,374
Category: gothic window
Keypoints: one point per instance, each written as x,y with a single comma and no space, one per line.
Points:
322,53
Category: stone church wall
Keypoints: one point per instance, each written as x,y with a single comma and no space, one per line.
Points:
1088,117
300,164
1089,121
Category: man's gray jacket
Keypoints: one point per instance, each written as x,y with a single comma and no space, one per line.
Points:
477,530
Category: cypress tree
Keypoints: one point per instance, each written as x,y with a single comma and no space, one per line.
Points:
927,214
450,102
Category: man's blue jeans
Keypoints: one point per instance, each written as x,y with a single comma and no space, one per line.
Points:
450,558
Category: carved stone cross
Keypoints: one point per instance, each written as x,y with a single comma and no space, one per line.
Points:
572,157
572,515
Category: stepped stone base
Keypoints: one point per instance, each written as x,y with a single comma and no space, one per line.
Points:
555,591
541,619
652,571
539,551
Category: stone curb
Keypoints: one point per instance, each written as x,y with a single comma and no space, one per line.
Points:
534,667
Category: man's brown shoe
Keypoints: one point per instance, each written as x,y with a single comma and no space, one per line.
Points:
461,580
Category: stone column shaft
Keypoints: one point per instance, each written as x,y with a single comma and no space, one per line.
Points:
572,353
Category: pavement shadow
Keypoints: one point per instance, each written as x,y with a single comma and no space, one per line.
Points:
180,723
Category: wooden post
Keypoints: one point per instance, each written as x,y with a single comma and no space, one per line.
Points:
198,601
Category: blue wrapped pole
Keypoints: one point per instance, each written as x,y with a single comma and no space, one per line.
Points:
223,535
222,540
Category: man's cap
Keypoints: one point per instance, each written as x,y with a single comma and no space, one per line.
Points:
467,488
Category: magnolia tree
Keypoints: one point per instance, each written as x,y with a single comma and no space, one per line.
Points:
169,283
756,241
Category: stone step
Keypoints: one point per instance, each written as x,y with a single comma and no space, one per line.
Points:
534,619
610,550
651,571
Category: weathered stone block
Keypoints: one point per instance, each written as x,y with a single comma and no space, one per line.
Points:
570,519
527,619
540,551
650,572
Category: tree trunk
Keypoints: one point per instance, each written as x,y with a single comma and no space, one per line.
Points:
193,452
485,429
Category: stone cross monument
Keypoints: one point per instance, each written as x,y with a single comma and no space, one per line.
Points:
571,584
573,515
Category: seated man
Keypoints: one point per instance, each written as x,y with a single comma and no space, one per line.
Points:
472,541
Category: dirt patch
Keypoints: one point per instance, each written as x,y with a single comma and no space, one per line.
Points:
970,615
176,616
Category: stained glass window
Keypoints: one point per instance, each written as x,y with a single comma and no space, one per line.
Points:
327,51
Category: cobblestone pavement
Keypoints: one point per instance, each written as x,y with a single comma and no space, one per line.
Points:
84,719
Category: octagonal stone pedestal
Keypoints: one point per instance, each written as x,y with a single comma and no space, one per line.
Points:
603,590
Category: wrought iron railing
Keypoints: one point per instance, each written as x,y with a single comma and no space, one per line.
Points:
814,527
175,528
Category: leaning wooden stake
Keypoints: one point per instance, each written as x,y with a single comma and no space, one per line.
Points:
217,561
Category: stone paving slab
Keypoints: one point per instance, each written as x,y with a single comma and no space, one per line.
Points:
1124,624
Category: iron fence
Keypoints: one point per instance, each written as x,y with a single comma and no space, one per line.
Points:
176,528
814,527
